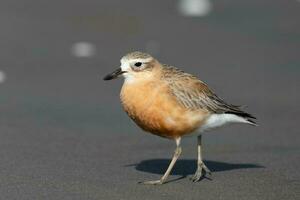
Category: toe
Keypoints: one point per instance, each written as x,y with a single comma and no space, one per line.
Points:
197,176
195,179
200,173
156,182
206,170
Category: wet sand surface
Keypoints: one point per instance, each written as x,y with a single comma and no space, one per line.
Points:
64,135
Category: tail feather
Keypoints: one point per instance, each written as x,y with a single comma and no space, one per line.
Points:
248,117
252,122
241,114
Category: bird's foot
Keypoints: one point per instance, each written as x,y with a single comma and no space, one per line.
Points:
156,182
202,170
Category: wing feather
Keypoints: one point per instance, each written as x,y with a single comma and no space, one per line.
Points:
194,94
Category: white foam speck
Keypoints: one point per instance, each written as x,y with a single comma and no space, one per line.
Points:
83,49
194,8
2,77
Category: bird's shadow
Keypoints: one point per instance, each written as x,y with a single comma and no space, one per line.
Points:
187,167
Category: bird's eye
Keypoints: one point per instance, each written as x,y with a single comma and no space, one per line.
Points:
138,64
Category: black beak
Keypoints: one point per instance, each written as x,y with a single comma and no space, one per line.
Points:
114,74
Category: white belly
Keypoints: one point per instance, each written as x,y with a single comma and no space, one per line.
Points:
218,120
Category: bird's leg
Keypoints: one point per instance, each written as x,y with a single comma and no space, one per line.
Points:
201,167
174,159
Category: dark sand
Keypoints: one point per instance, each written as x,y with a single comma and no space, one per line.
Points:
63,134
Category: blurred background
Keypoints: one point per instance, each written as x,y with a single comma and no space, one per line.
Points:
64,135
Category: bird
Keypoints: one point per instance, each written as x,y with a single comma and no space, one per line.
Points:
168,102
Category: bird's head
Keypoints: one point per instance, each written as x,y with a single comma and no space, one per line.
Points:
134,65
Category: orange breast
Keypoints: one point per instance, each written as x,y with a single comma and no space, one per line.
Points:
155,110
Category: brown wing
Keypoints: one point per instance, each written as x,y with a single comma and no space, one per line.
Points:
194,94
